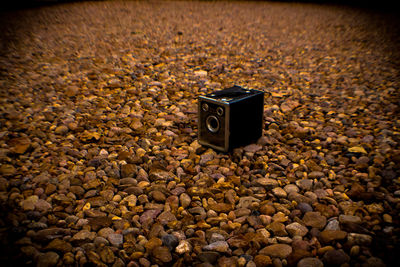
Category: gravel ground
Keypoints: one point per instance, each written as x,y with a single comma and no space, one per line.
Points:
99,159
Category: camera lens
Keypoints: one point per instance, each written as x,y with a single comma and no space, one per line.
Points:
220,111
212,124
204,107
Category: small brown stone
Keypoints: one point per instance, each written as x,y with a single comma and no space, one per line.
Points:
262,260
59,245
153,243
61,130
314,219
277,251
158,196
267,209
7,170
128,170
107,255
19,145
162,253
221,207
277,228
50,188
328,236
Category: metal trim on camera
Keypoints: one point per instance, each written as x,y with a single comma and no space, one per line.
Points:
212,123
220,111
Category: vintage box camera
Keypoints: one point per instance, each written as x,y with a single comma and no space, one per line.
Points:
230,118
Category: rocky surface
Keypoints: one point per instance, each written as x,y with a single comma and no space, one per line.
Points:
99,162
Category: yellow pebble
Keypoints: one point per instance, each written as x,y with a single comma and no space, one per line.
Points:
86,207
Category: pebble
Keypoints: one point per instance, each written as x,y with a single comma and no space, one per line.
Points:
252,148
216,237
185,200
48,259
354,251
267,209
153,243
149,215
68,258
61,130
99,241
359,239
345,219
296,229
335,257
206,157
7,170
267,183
183,247
81,222
59,245
247,202
115,239
201,73
42,206
221,207
83,236
299,198
279,192
107,255
328,236
208,256
387,218
158,196
304,207
310,262
162,253
277,228
289,105
166,217
29,203
19,145
374,262
277,262
262,260
277,251
314,219
291,188
219,246
305,184
242,262
170,241
332,225
316,175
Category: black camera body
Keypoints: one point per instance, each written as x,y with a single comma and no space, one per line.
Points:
230,118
